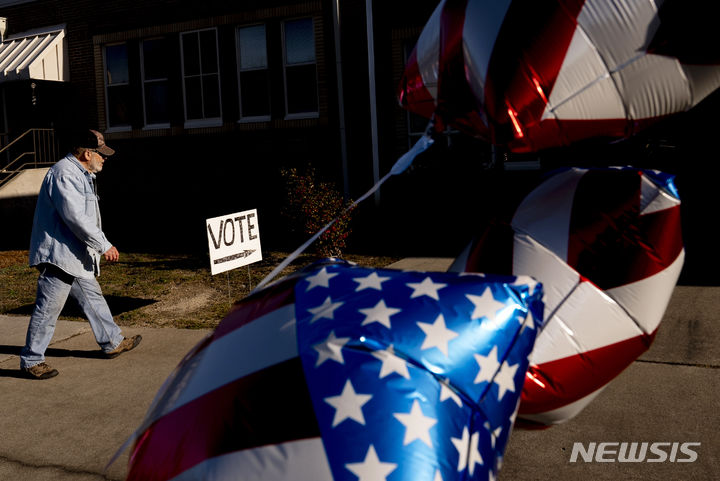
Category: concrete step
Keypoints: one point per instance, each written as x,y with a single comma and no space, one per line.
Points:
25,184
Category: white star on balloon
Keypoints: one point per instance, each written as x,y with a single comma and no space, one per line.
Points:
380,313
447,393
331,348
495,434
391,363
373,281
485,305
437,335
468,454
461,444
321,279
325,310
505,379
371,469
417,425
348,405
475,457
437,476
426,288
488,366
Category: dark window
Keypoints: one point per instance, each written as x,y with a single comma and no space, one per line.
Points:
155,72
201,79
117,86
253,73
301,97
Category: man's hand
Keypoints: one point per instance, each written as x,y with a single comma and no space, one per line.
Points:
112,255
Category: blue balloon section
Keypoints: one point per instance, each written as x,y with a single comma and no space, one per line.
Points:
414,375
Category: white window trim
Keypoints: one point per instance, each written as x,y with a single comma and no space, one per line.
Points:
156,126
302,115
204,122
146,125
299,115
113,128
165,125
124,128
200,123
256,118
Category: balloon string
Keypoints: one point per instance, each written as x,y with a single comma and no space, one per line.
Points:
400,165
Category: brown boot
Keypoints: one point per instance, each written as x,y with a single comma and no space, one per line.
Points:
127,344
39,371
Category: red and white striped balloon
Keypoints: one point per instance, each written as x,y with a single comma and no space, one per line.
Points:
606,244
271,393
535,74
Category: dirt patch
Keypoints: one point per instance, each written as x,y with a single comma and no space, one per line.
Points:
182,300
153,290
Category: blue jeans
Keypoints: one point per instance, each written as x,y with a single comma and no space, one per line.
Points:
53,288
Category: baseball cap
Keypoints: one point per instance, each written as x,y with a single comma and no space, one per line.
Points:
92,139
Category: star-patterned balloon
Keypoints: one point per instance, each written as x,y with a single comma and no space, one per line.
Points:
348,373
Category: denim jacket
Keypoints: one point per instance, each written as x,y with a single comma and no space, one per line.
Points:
67,231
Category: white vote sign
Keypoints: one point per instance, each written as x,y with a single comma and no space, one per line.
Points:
234,241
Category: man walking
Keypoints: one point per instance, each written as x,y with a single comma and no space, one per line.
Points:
66,244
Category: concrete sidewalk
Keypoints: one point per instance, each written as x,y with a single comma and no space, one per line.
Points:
69,427
668,395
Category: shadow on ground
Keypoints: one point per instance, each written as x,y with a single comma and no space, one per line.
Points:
51,352
117,304
54,352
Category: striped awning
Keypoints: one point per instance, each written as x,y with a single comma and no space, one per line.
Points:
40,54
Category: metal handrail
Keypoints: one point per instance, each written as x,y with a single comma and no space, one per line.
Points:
11,174
5,170
18,139
44,151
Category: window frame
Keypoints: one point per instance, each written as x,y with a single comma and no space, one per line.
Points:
252,118
143,81
205,121
115,128
299,115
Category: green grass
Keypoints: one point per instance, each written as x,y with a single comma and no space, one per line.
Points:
151,290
